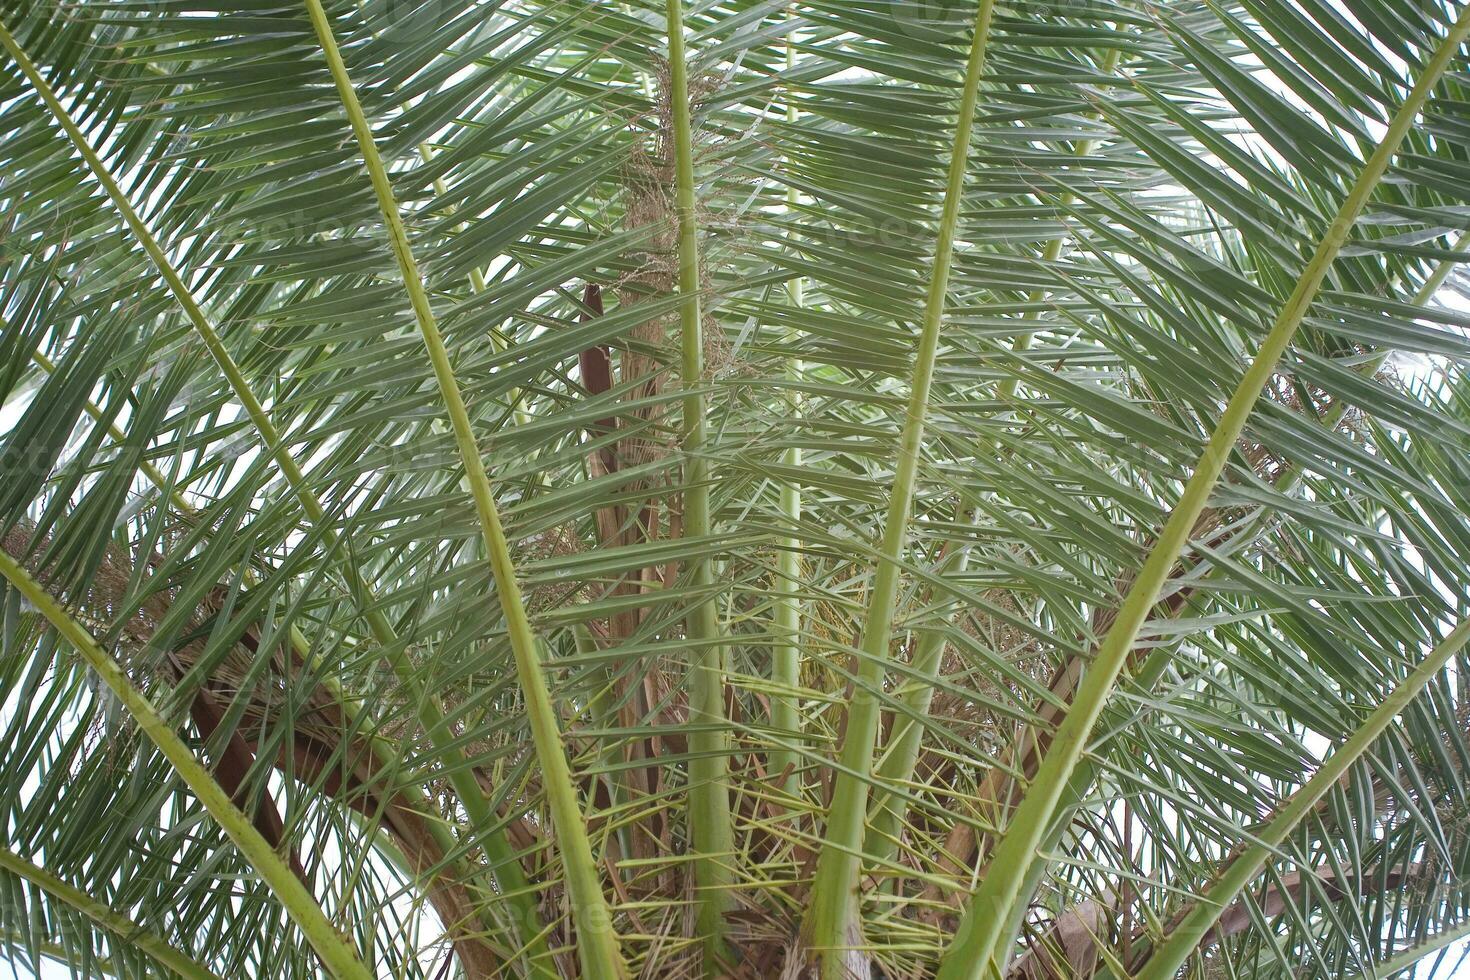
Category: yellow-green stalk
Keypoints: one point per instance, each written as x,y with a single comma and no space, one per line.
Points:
890,810
1184,938
497,847
831,924
786,763
711,822
597,942
338,955
974,947
125,929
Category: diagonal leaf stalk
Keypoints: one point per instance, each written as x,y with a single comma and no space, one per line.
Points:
1146,678
1152,670
831,921
1149,673
1396,965
975,943
336,953
711,822
108,918
516,396
1167,958
349,707
516,891
889,811
597,943
1055,247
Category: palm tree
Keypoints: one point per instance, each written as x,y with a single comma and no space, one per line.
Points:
838,488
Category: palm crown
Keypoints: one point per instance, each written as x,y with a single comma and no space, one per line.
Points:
862,488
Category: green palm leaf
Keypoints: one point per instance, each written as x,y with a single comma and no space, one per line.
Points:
672,266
